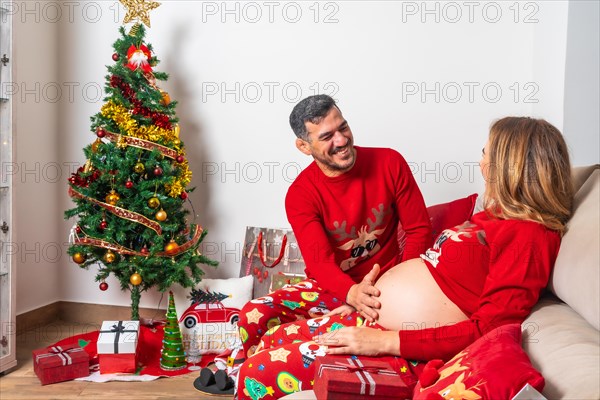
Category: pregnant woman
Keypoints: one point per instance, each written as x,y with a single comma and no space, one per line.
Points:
482,274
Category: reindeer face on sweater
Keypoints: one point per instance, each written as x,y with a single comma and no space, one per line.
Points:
365,243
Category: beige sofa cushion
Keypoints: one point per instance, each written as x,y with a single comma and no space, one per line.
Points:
565,349
576,275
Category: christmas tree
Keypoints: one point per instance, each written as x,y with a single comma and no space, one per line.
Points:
172,355
200,296
130,193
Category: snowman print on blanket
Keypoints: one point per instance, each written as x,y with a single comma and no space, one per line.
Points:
319,310
314,324
266,300
310,351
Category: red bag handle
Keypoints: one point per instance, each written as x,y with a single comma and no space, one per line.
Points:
261,254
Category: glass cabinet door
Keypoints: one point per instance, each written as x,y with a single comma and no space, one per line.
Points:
7,278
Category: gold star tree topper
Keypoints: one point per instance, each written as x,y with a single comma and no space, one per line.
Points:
139,9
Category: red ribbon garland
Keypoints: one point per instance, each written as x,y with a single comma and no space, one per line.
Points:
119,212
89,241
141,143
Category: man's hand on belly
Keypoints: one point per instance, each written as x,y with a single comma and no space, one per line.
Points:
362,296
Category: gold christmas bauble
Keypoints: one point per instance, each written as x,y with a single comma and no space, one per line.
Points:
176,142
109,257
176,130
154,202
135,279
161,215
95,145
139,168
166,99
112,198
171,247
79,258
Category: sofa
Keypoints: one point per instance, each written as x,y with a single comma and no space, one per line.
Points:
562,336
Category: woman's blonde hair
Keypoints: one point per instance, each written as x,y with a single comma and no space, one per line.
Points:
529,174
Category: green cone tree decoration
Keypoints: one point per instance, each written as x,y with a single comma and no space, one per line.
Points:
172,355
130,193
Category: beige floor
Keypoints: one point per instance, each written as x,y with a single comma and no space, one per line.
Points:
22,383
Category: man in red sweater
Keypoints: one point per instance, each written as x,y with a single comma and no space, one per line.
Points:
345,209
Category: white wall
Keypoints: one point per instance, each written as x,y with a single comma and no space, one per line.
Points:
36,179
374,57
582,82
549,52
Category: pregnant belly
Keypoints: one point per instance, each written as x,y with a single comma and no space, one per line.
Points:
411,299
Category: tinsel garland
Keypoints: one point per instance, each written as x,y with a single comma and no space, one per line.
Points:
121,116
119,212
184,175
90,241
158,119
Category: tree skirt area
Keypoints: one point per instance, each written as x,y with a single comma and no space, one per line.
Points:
148,356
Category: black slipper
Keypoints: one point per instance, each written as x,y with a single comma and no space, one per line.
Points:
223,381
213,390
207,377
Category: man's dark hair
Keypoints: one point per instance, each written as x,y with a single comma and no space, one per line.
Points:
312,109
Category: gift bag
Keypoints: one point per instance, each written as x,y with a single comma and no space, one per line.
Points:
272,257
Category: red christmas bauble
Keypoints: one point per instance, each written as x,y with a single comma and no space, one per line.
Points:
183,195
78,229
180,159
103,286
103,225
101,133
128,184
115,57
144,250
158,171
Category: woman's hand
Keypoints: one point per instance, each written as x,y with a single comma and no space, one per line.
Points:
360,341
342,311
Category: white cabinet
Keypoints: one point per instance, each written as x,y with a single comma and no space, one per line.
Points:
7,264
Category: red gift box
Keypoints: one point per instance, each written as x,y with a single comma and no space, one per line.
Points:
117,363
60,363
349,378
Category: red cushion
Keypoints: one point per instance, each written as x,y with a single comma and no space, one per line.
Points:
493,367
448,215
444,216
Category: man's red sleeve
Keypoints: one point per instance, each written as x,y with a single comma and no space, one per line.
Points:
411,211
314,244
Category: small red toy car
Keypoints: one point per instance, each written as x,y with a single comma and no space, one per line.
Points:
208,312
